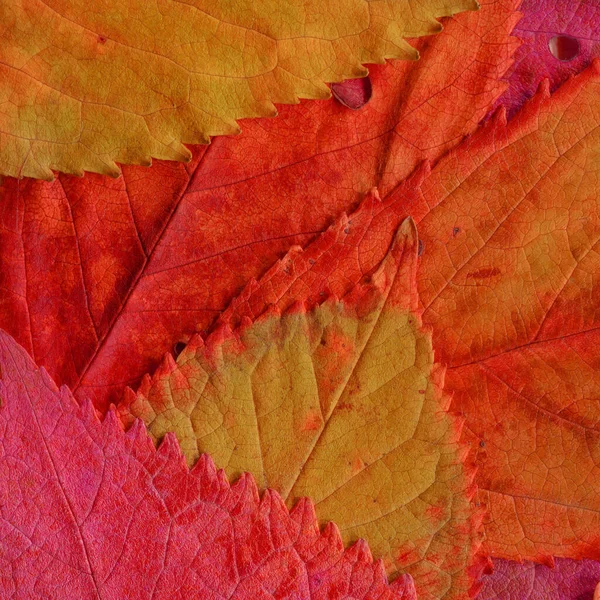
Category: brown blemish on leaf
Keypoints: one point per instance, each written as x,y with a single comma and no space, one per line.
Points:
484,273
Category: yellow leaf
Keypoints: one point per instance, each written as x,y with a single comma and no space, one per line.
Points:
342,403
83,85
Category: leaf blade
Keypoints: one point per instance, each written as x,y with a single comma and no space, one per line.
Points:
92,511
161,234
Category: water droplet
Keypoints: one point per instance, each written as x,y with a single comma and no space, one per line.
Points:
564,47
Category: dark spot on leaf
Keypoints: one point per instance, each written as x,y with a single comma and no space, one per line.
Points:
421,248
178,348
564,47
353,93
347,230
484,273
102,39
482,444
456,231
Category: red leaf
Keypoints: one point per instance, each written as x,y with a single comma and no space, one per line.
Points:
133,264
560,38
566,580
91,512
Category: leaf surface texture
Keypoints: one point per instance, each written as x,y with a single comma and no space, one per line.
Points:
137,264
507,283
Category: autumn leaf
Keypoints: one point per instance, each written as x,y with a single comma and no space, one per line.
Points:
559,39
135,265
91,512
506,280
342,404
566,580
319,378
82,88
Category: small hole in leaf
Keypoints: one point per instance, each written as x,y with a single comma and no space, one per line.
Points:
178,348
564,47
482,444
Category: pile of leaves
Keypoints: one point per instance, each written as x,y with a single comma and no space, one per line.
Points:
350,352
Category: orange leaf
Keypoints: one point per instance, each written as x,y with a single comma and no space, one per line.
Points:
508,284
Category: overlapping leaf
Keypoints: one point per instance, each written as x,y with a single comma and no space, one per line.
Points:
507,281
84,87
134,264
508,285
90,512
343,405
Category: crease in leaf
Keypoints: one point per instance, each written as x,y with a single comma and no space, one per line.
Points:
85,88
353,93
89,511
341,403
